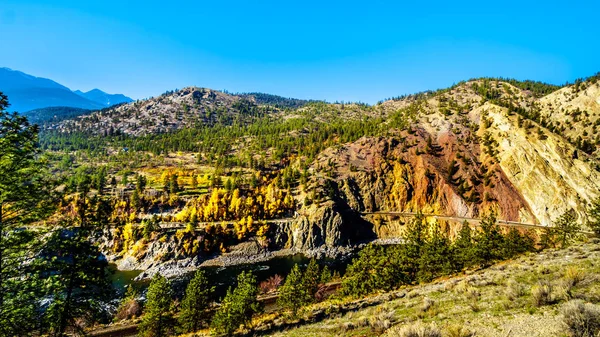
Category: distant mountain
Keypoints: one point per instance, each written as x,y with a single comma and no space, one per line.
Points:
26,92
99,96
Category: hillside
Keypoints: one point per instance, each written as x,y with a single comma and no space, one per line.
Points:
501,301
324,175
462,155
185,108
391,195
574,112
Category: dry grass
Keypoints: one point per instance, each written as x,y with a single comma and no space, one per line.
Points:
415,330
582,319
541,293
458,331
493,302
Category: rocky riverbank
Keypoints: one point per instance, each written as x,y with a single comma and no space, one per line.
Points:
245,253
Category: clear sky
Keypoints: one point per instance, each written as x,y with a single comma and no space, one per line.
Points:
334,50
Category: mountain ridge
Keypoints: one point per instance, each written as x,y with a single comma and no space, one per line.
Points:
27,92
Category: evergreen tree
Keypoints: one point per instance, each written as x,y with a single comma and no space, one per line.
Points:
374,269
311,280
489,241
464,248
140,183
158,317
24,199
78,280
173,184
194,305
410,253
194,182
135,201
516,243
594,216
326,276
293,294
238,306
566,227
436,255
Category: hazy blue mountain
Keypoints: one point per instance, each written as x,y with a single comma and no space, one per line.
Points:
26,92
99,96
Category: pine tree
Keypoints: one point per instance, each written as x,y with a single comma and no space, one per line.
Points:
78,280
566,227
464,247
195,303
436,255
238,306
157,320
326,276
516,243
374,269
24,199
293,293
415,235
488,241
140,183
173,184
194,182
135,201
311,280
594,216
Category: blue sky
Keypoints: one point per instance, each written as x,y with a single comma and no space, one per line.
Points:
334,50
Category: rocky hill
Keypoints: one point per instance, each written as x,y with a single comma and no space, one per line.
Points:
462,155
185,108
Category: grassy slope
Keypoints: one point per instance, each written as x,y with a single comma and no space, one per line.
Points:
497,301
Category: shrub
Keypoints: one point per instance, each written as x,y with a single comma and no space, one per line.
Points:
415,330
472,295
458,331
541,294
271,284
582,319
381,322
428,303
129,307
514,289
574,276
